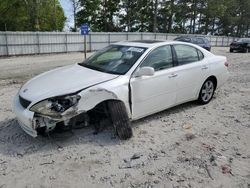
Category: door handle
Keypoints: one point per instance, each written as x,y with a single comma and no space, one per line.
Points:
173,75
204,67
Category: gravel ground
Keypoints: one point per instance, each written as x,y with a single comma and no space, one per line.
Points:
185,146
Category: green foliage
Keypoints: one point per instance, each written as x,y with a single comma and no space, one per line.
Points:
216,17
105,18
99,14
134,15
224,17
31,15
88,13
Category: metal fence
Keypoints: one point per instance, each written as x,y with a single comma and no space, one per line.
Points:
22,43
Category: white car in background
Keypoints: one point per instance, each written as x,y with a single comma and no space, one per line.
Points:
122,82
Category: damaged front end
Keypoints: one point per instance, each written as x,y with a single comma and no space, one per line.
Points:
81,109
54,111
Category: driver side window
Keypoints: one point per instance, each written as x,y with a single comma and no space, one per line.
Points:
159,59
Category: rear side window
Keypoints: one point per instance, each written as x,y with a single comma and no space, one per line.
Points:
186,54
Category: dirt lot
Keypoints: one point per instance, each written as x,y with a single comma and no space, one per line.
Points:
186,146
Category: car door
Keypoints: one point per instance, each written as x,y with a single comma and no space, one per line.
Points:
150,94
192,71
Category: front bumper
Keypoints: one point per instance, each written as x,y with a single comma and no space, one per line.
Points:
24,117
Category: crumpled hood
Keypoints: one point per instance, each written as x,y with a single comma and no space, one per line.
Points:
61,81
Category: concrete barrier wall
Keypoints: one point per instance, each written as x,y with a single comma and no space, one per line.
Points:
24,43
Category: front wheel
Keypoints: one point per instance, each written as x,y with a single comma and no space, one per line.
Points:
120,119
206,92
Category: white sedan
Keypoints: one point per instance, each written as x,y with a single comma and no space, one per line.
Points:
122,82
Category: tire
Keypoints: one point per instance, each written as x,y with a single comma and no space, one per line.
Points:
120,119
231,50
206,92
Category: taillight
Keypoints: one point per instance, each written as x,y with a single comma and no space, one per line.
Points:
226,64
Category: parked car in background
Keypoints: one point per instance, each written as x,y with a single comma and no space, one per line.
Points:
242,45
200,41
123,82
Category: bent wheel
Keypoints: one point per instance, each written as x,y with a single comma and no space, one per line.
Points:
206,92
120,119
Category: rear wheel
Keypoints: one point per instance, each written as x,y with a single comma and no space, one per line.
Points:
231,50
120,119
206,92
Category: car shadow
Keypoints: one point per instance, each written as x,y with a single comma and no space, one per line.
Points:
166,113
16,143
236,52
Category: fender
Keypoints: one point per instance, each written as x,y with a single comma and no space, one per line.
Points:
92,97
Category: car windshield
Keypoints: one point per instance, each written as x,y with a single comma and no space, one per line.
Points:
114,59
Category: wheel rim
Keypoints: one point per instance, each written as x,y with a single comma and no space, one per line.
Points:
207,91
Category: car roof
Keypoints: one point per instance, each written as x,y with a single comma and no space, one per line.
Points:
147,41
158,43
144,43
189,36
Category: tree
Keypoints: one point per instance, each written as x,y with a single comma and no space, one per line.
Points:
166,14
107,12
128,14
75,7
88,13
13,19
31,15
99,14
155,11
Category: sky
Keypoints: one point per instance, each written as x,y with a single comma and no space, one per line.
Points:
67,7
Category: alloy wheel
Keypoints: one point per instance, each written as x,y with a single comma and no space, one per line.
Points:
207,91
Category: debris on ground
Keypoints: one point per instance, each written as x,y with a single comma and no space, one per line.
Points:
226,169
189,136
136,156
46,163
208,171
187,126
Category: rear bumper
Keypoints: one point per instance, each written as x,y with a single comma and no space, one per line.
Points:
24,117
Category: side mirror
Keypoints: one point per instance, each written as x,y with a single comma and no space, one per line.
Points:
145,71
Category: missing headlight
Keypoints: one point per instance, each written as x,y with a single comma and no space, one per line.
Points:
53,107
62,104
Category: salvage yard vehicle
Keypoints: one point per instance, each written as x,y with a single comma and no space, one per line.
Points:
200,41
125,81
242,45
